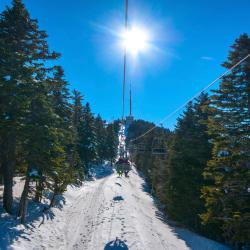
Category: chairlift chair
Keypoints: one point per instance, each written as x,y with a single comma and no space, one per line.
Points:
141,148
123,164
158,147
132,148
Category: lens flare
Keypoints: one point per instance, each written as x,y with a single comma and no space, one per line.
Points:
135,40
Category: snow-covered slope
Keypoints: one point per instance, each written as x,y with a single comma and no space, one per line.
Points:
105,214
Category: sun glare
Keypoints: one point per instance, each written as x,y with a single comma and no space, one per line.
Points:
135,40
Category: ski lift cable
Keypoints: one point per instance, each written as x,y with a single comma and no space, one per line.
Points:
191,99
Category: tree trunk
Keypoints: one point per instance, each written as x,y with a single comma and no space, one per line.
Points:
39,190
1,170
53,199
24,200
7,193
8,163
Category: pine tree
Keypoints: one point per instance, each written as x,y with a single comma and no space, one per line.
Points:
189,153
227,197
111,142
65,124
77,113
87,137
23,48
180,165
100,136
42,148
152,166
77,108
63,135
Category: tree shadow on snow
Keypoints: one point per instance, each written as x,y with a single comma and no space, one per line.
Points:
192,240
10,227
100,171
8,230
146,188
116,245
59,200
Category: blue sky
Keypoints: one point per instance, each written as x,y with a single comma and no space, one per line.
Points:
190,39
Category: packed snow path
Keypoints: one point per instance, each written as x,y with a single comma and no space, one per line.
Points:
110,213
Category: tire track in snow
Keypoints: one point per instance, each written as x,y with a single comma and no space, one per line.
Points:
83,220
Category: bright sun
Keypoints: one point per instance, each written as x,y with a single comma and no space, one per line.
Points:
135,40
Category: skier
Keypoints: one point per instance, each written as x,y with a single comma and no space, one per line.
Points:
119,172
123,165
127,168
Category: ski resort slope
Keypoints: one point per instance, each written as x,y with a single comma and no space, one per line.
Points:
110,213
